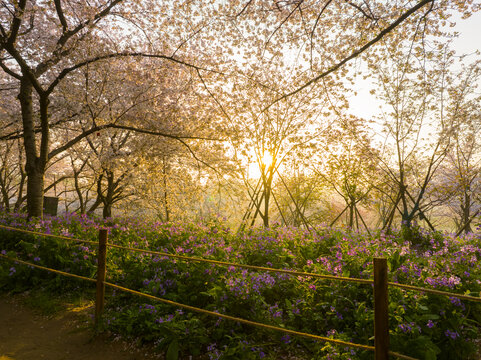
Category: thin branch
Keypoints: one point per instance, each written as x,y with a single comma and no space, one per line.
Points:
360,9
19,134
16,22
9,71
95,129
158,133
283,22
68,70
244,8
318,18
354,54
213,97
61,17
68,34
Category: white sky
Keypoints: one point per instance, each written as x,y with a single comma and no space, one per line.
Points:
365,105
469,34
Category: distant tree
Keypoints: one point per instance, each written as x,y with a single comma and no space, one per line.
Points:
300,195
420,125
12,175
458,185
349,167
267,137
77,191
289,60
168,183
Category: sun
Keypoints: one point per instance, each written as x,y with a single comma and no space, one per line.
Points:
254,168
266,159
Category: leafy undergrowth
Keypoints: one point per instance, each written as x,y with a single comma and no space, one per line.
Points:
421,325
43,302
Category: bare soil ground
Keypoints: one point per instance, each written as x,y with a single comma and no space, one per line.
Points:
67,335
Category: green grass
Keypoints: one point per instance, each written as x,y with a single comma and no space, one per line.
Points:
43,302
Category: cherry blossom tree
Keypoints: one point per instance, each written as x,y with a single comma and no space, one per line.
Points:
422,91
458,184
350,168
288,129
137,107
42,43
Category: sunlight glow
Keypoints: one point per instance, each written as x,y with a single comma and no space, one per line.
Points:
266,159
254,171
254,168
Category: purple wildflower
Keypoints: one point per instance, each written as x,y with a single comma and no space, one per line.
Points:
452,334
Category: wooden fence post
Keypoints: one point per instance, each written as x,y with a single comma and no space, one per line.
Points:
101,270
381,310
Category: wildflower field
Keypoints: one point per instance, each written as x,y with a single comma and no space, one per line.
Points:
422,325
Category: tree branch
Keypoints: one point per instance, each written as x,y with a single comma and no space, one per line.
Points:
68,70
354,54
61,17
16,22
95,129
244,8
9,72
19,135
360,9
68,34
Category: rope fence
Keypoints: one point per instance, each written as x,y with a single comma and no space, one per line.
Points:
212,313
436,292
256,324
380,282
242,321
253,267
245,266
48,269
49,235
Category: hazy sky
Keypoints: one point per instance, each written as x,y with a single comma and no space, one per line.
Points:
469,40
469,34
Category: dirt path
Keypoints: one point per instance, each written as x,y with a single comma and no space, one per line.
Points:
25,335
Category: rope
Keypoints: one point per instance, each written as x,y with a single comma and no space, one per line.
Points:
48,269
261,268
49,235
436,292
401,356
211,313
243,321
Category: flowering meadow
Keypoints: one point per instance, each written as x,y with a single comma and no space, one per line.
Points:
424,326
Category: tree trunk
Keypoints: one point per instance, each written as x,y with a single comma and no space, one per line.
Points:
35,182
107,211
466,211
267,180
4,183
405,216
78,190
166,202
109,199
352,206
20,199
34,168
266,206
23,178
5,197
94,206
